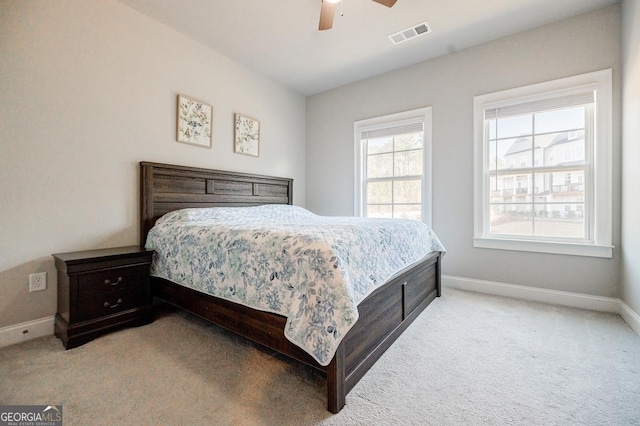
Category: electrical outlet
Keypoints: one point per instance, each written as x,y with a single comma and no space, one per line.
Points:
37,281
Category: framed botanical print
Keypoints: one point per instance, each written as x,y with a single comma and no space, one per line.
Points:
194,124
246,135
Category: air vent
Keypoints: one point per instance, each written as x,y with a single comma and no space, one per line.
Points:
409,33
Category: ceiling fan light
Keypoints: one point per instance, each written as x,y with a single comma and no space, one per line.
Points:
332,1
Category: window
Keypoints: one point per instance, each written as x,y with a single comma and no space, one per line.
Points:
559,134
393,166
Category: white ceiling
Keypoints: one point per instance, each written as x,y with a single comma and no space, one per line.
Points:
280,38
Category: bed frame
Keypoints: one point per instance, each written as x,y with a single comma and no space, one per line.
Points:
383,315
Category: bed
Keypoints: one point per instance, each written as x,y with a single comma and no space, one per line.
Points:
383,314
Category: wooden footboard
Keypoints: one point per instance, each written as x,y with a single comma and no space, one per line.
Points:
383,316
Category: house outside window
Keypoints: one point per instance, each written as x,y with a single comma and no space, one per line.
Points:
559,135
393,166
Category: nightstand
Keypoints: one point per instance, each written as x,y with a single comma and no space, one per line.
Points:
99,290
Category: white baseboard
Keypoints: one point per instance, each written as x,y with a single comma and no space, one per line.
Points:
631,318
26,331
554,297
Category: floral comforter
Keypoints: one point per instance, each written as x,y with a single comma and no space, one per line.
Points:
312,269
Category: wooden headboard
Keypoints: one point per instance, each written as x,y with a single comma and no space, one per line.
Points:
166,187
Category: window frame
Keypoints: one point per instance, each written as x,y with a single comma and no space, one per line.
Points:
392,120
598,172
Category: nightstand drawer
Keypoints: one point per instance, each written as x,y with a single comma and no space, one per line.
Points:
109,280
107,304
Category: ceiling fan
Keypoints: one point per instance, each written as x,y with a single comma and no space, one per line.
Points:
328,10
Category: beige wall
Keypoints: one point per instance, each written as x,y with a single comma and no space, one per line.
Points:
578,45
88,89
631,157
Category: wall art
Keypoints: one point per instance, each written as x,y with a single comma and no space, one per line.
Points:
247,135
194,121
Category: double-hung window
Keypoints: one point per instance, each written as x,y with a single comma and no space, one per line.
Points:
543,167
393,166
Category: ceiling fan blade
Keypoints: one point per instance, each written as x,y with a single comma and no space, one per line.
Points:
327,12
388,3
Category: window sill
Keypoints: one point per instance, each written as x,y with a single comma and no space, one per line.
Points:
572,249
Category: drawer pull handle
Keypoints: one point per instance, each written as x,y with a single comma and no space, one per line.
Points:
108,282
107,305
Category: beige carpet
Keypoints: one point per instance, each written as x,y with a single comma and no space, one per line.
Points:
469,359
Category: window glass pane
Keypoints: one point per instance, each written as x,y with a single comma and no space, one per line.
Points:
542,186
510,153
379,192
560,120
378,145
408,211
565,148
515,126
408,141
407,191
496,188
380,210
511,219
560,186
380,165
408,163
512,188
560,220
522,187
542,145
